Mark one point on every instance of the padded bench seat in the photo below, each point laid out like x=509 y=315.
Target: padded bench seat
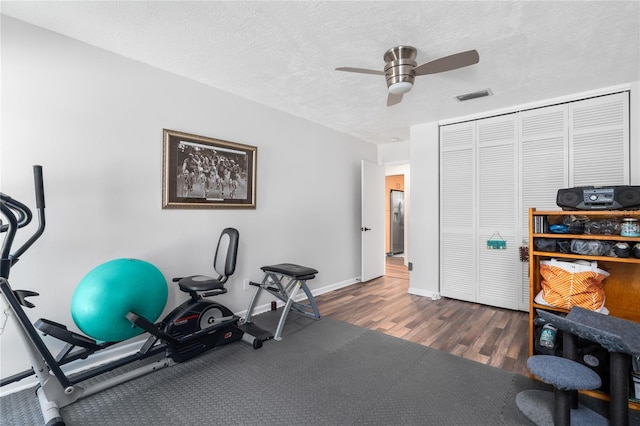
x=272 y=283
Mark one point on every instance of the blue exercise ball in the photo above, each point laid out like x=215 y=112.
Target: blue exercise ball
x=110 y=291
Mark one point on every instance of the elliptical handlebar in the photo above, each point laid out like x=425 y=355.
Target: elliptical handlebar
x=19 y=211
x=39 y=184
x=19 y=215
x=10 y=229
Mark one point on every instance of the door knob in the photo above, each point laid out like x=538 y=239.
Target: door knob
x=364 y=228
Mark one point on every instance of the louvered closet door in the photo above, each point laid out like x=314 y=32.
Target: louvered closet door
x=511 y=163
x=599 y=141
x=457 y=212
x=543 y=170
x=499 y=281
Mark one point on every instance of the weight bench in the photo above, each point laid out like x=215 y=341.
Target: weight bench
x=273 y=283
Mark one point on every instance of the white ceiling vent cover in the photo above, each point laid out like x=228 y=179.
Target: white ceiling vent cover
x=474 y=95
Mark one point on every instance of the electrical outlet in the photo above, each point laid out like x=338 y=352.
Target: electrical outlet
x=246 y=286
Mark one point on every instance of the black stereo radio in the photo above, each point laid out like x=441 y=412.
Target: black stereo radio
x=624 y=197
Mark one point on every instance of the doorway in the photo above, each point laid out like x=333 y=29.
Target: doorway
x=396 y=215
x=395 y=243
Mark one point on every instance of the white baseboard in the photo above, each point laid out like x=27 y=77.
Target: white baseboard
x=433 y=295
x=335 y=286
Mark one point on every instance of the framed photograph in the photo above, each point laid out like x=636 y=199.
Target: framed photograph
x=201 y=172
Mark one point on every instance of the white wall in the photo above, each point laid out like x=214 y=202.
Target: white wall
x=94 y=121
x=424 y=234
x=393 y=153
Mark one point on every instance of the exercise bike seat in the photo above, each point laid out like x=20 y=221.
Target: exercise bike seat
x=224 y=263
x=200 y=283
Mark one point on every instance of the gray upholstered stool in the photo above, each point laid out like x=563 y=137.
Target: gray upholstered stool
x=272 y=283
x=566 y=376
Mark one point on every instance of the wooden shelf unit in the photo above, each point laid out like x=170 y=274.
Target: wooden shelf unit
x=622 y=287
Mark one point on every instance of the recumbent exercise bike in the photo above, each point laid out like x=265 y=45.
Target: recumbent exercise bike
x=192 y=328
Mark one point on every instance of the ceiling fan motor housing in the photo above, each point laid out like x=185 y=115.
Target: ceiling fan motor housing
x=400 y=52
x=399 y=68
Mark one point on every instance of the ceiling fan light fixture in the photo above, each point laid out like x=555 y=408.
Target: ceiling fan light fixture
x=400 y=88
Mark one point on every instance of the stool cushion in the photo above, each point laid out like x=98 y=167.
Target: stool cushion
x=563 y=373
x=296 y=271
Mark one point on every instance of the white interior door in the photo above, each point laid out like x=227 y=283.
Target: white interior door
x=372 y=225
x=599 y=141
x=543 y=170
x=497 y=187
x=458 y=251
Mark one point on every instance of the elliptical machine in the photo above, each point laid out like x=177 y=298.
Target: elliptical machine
x=192 y=328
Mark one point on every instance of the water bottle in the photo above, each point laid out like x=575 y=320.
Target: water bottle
x=548 y=336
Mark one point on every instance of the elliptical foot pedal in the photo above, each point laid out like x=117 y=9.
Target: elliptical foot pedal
x=254 y=334
x=61 y=332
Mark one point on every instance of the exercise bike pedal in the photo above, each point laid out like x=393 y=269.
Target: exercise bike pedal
x=150 y=327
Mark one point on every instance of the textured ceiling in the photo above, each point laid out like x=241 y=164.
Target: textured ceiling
x=283 y=54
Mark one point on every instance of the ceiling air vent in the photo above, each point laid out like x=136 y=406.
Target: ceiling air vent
x=474 y=95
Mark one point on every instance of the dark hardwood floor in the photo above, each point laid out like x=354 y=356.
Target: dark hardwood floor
x=485 y=334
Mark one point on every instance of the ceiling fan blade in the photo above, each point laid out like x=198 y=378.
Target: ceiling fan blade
x=393 y=99
x=360 y=70
x=448 y=63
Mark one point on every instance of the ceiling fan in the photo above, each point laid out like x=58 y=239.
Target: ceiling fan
x=400 y=69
